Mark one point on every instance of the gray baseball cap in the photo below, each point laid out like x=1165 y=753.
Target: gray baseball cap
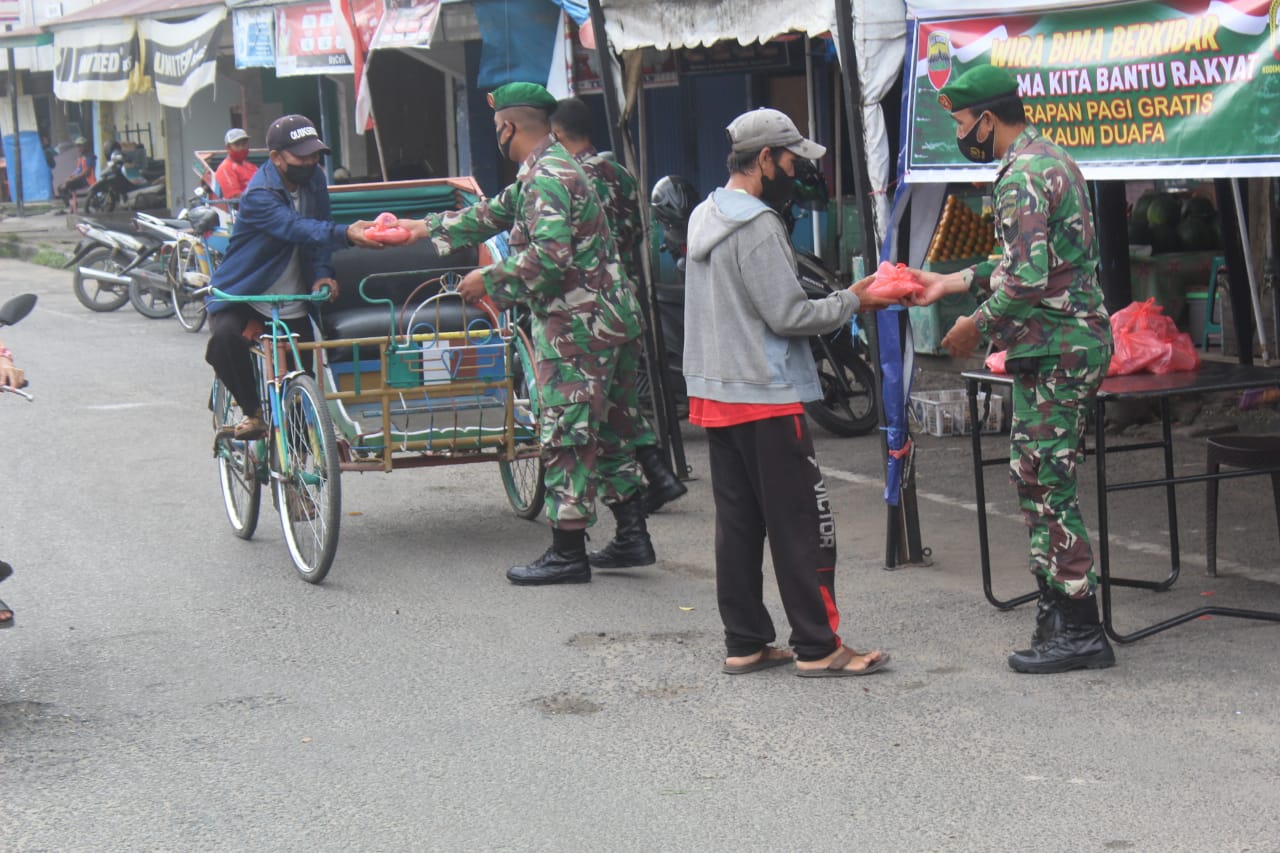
x=766 y=128
x=234 y=135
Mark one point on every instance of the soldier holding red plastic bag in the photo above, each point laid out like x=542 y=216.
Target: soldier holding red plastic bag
x=1046 y=309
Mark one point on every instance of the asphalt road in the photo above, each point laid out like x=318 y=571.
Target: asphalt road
x=170 y=687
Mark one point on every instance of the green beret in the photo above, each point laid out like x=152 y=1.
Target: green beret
x=522 y=95
x=977 y=86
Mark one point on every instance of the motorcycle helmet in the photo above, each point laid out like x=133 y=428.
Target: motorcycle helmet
x=672 y=200
x=203 y=219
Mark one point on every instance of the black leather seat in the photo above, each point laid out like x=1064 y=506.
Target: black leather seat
x=400 y=270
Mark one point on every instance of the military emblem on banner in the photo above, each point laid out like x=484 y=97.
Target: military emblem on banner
x=938 y=58
x=1273 y=18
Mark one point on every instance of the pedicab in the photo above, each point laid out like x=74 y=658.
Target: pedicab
x=404 y=374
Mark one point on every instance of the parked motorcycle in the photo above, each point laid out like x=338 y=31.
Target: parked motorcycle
x=191 y=259
x=122 y=184
x=13 y=311
x=103 y=261
x=849 y=404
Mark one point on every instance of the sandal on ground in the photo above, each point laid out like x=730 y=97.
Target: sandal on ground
x=770 y=656
x=249 y=428
x=837 y=667
x=6 y=616
x=5 y=570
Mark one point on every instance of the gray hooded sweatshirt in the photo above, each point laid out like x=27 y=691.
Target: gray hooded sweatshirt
x=746 y=317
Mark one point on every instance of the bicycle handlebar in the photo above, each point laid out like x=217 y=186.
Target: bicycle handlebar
x=322 y=295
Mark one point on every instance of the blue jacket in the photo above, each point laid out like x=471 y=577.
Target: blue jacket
x=268 y=228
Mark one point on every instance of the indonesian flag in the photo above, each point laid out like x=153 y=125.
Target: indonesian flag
x=362 y=17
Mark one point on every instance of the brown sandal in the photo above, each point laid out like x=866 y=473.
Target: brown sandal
x=836 y=669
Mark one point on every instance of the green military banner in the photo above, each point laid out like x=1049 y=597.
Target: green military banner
x=1133 y=90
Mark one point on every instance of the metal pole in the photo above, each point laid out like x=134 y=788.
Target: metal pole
x=15 y=92
x=612 y=110
x=1258 y=320
x=813 y=134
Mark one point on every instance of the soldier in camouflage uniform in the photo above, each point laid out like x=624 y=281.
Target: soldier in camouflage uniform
x=564 y=267
x=1046 y=309
x=617 y=190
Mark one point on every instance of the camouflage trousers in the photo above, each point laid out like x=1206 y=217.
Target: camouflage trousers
x=630 y=363
x=1050 y=409
x=587 y=434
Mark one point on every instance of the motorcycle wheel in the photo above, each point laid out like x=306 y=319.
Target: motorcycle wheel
x=99 y=295
x=846 y=414
x=100 y=201
x=150 y=299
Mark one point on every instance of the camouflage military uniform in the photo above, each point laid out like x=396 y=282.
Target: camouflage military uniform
x=618 y=192
x=1046 y=308
x=564 y=267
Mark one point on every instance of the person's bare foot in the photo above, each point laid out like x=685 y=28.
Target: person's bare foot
x=844 y=659
x=766 y=658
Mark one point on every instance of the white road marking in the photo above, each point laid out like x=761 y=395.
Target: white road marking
x=1135 y=545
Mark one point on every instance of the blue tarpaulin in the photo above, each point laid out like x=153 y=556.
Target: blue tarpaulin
x=37 y=180
x=518 y=38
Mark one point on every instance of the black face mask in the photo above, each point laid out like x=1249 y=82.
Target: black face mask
x=972 y=149
x=777 y=192
x=299 y=175
x=505 y=147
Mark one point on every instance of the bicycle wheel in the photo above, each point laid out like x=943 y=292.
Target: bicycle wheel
x=238 y=463
x=186 y=284
x=99 y=295
x=149 y=292
x=849 y=395
x=308 y=490
x=523 y=478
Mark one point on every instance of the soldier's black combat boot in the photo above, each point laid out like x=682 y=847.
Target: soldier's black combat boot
x=631 y=545
x=1048 y=614
x=564 y=562
x=664 y=487
x=1078 y=641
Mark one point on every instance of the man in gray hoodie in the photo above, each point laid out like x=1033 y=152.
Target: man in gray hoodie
x=749 y=370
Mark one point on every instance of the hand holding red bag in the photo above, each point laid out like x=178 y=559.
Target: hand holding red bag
x=894 y=281
x=385 y=230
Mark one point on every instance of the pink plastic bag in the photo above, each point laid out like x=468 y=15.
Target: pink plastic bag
x=894 y=282
x=1148 y=341
x=995 y=362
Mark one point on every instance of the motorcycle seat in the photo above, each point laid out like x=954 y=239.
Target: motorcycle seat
x=176 y=224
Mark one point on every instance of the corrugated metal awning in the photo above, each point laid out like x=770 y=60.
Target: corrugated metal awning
x=119 y=9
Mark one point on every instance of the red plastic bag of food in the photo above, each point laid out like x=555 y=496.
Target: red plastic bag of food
x=1180 y=356
x=894 y=281
x=995 y=362
x=385 y=230
x=1148 y=341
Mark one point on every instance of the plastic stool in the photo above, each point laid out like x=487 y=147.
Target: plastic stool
x=1213 y=326
x=1236 y=451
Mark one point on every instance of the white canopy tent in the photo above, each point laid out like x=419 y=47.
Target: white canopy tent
x=879 y=30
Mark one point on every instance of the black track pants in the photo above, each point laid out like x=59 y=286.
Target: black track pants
x=765 y=478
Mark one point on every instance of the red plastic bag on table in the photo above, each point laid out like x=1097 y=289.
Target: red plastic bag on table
x=384 y=230
x=1180 y=356
x=894 y=281
x=1148 y=341
x=995 y=362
